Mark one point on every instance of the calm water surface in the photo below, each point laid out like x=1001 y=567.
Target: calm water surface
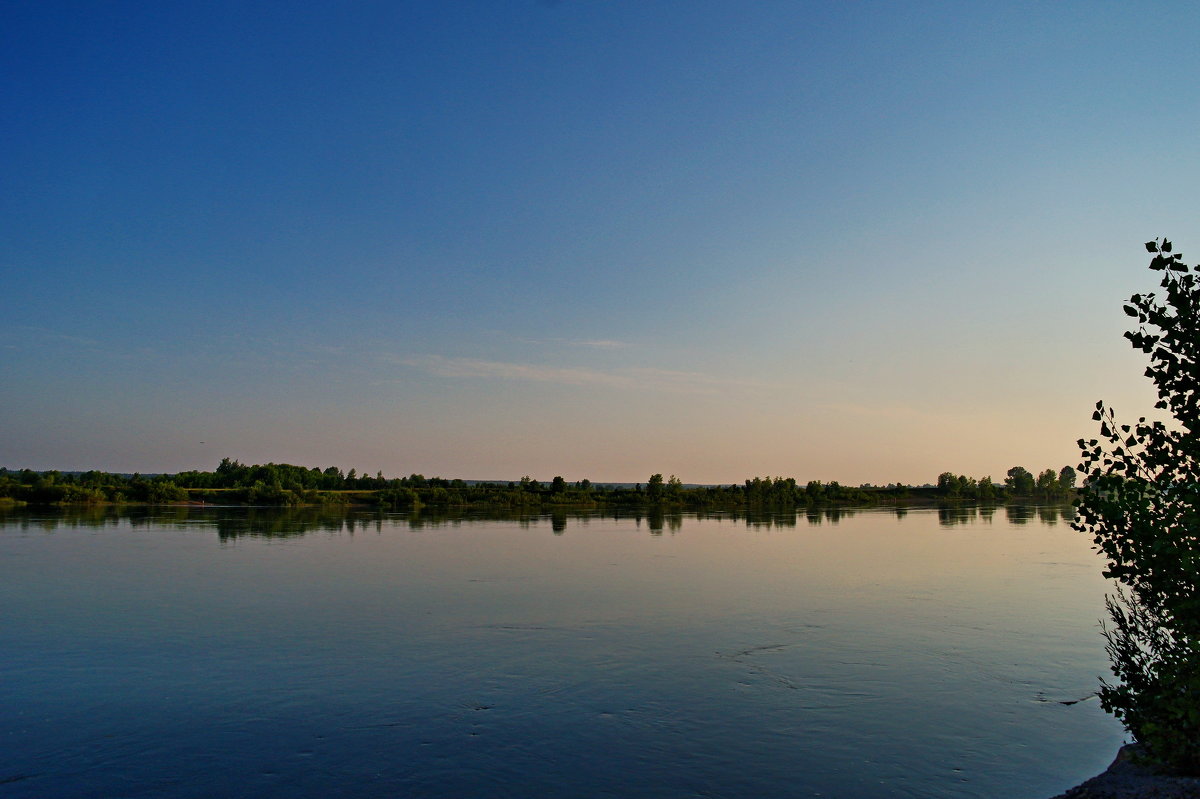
x=248 y=654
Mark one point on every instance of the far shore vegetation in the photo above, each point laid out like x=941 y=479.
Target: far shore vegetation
x=284 y=485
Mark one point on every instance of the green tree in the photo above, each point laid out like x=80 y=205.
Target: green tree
x=654 y=488
x=1140 y=504
x=1047 y=483
x=1066 y=480
x=1020 y=482
x=985 y=489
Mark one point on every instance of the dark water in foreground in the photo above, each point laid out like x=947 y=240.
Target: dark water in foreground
x=233 y=653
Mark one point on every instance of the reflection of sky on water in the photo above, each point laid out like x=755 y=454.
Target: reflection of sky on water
x=878 y=655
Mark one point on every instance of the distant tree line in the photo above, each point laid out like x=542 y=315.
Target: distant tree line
x=281 y=484
x=93 y=487
x=1018 y=484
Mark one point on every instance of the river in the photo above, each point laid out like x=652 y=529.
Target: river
x=253 y=653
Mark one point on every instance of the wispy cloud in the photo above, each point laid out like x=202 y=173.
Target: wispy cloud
x=30 y=338
x=600 y=344
x=589 y=343
x=473 y=367
x=30 y=335
x=644 y=378
x=890 y=410
x=678 y=378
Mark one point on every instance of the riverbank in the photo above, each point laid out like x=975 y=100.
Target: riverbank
x=1125 y=779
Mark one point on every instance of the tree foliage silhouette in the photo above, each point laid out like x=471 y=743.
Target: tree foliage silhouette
x=1141 y=505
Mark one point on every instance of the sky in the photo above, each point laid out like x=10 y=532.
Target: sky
x=864 y=241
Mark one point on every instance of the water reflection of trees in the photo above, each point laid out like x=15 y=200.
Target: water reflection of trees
x=232 y=523
x=830 y=515
x=950 y=515
x=290 y=523
x=1046 y=514
x=658 y=519
x=89 y=516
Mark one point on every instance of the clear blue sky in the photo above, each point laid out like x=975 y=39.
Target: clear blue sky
x=867 y=242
